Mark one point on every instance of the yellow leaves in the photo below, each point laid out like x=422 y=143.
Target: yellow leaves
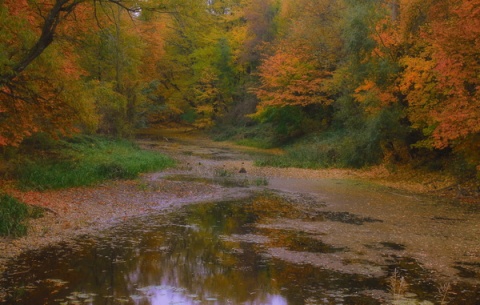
x=205 y=109
x=82 y=100
x=206 y=116
x=206 y=90
x=417 y=78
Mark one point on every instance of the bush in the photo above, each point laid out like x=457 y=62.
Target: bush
x=12 y=216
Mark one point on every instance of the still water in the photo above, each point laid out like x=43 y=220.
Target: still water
x=214 y=253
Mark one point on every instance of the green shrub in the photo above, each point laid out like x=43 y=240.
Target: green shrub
x=256 y=143
x=12 y=216
x=287 y=120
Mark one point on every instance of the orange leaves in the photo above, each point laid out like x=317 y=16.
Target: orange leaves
x=152 y=33
x=454 y=48
x=21 y=8
x=291 y=77
x=3 y=141
x=436 y=46
x=373 y=97
x=298 y=72
x=24 y=119
x=48 y=54
x=367 y=86
x=31 y=82
x=35 y=102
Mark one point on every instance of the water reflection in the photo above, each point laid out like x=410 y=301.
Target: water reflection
x=164 y=294
x=216 y=253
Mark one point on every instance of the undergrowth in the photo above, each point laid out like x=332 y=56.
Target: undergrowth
x=332 y=149
x=85 y=160
x=258 y=136
x=13 y=216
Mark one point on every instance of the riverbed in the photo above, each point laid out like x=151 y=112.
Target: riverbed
x=237 y=234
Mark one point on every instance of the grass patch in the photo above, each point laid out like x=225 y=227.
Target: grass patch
x=84 y=161
x=13 y=214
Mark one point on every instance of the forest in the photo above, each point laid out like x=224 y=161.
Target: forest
x=340 y=83
x=239 y=152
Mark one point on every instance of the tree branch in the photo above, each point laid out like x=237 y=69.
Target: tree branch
x=56 y=15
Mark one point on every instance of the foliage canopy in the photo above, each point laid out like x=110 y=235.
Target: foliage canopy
x=400 y=77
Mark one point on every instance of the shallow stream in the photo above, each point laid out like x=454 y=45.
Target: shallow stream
x=295 y=241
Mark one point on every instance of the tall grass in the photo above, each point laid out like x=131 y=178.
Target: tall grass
x=84 y=161
x=12 y=216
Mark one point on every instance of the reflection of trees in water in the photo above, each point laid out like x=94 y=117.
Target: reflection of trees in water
x=200 y=259
x=195 y=257
x=186 y=257
x=216 y=252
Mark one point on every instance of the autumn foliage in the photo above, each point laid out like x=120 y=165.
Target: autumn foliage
x=58 y=58
x=395 y=78
x=291 y=77
x=435 y=44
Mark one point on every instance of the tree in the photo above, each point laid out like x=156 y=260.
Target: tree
x=35 y=81
x=291 y=77
x=47 y=16
x=41 y=88
x=261 y=27
x=201 y=75
x=453 y=34
x=296 y=71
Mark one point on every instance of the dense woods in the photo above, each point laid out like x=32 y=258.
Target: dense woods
x=364 y=81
